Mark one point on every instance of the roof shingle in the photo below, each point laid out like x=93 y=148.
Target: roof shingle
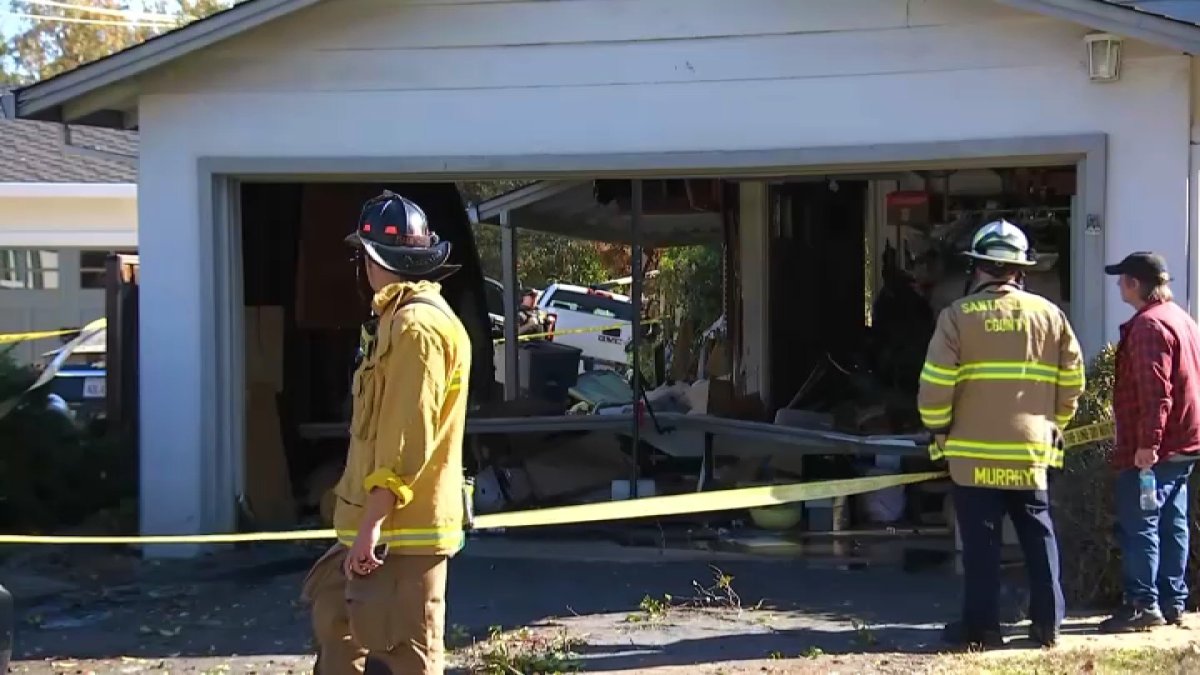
x=37 y=152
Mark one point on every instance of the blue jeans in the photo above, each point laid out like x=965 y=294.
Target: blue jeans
x=1154 y=544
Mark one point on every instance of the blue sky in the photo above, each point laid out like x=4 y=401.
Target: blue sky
x=7 y=23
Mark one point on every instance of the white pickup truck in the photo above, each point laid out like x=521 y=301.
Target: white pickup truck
x=577 y=308
x=580 y=309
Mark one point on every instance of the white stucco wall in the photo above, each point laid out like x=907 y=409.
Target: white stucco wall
x=442 y=77
x=57 y=218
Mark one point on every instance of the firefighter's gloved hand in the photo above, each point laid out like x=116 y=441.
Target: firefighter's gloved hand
x=1060 y=444
x=939 y=441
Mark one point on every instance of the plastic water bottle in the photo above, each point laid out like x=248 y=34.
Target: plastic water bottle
x=1147 y=490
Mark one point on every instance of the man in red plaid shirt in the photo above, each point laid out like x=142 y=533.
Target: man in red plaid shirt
x=1156 y=402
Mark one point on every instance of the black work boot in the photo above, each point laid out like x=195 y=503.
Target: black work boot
x=1173 y=617
x=1044 y=636
x=1133 y=620
x=959 y=635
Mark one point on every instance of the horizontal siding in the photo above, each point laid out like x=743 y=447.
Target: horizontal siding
x=400 y=24
x=380 y=45
x=1008 y=44
x=896 y=108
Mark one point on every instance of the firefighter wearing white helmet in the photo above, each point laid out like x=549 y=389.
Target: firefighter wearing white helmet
x=1002 y=243
x=1001 y=380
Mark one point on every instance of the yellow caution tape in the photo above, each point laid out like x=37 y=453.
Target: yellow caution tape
x=648 y=507
x=699 y=502
x=292 y=535
x=1092 y=433
x=575 y=331
x=10 y=338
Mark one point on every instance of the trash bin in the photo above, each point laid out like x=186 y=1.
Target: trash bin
x=6 y=628
x=548 y=370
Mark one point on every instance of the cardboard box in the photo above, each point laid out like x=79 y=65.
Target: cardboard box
x=264 y=346
x=572 y=466
x=268 y=481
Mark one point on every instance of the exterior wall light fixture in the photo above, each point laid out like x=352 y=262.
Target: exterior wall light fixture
x=1104 y=57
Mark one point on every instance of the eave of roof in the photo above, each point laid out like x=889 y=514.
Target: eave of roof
x=44 y=100
x=1125 y=20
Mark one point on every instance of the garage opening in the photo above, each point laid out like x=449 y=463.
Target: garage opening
x=838 y=275
x=858 y=288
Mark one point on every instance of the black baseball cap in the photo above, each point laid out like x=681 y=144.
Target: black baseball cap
x=1144 y=266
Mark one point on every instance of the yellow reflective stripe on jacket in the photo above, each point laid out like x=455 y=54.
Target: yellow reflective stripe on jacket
x=1037 y=453
x=1009 y=370
x=936 y=418
x=426 y=538
x=1020 y=370
x=1071 y=377
x=939 y=375
x=456 y=381
x=935 y=452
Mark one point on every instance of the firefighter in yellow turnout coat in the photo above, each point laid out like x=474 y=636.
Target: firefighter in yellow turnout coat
x=378 y=596
x=1001 y=380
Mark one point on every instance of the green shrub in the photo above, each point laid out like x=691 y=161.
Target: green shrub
x=52 y=474
x=1083 y=501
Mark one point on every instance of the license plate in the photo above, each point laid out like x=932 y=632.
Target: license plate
x=95 y=387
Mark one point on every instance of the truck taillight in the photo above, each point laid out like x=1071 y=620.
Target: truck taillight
x=551 y=322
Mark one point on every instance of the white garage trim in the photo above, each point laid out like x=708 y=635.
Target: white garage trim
x=982 y=153
x=222 y=294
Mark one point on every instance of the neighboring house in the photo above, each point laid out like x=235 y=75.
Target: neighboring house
x=68 y=197
x=304 y=90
